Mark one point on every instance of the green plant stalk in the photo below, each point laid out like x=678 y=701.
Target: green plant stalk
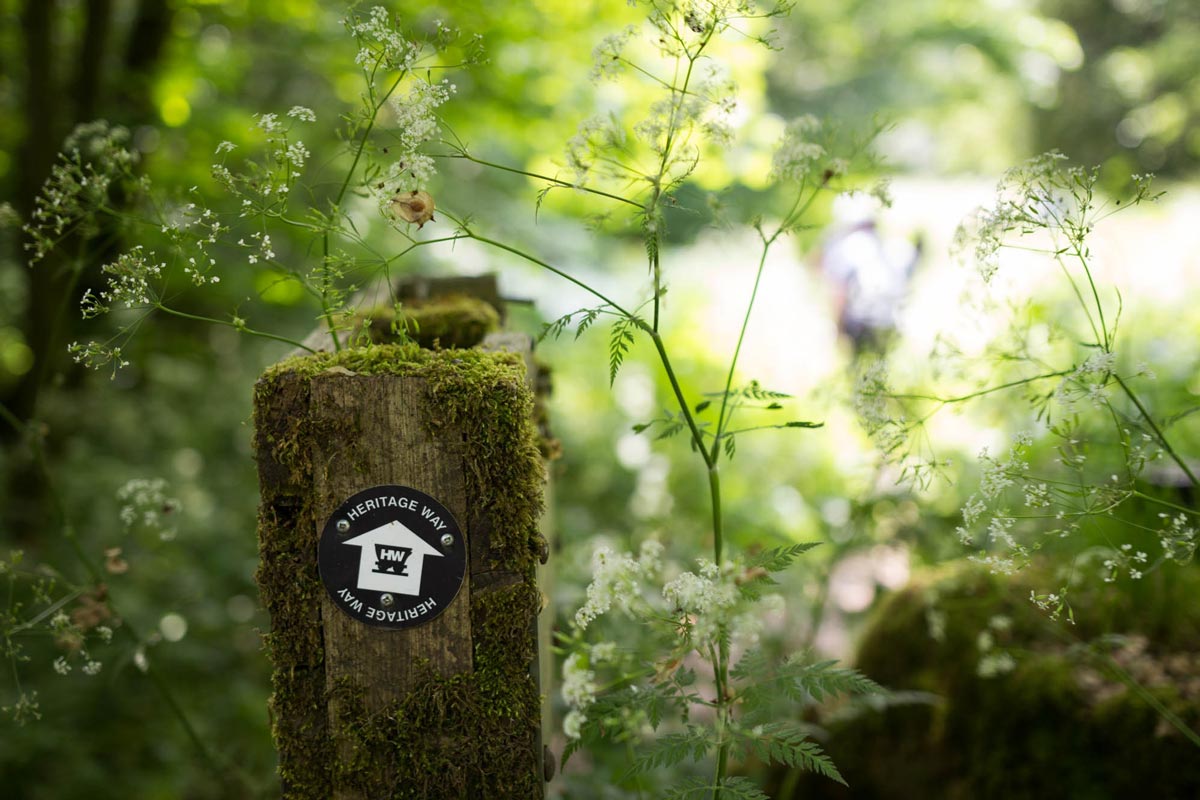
x=721 y=667
x=1135 y=686
x=534 y=260
x=326 y=311
x=1149 y=498
x=230 y=324
x=737 y=350
x=463 y=154
x=650 y=209
x=796 y=212
x=989 y=390
x=1158 y=434
x=1095 y=293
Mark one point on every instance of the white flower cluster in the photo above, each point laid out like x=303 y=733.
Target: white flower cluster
x=415 y=117
x=145 y=503
x=996 y=478
x=415 y=114
x=617 y=580
x=709 y=603
x=95 y=355
x=381 y=42
x=594 y=136
x=869 y=398
x=260 y=246
x=1125 y=559
x=1087 y=382
x=607 y=55
x=579 y=692
x=579 y=683
x=129 y=283
x=302 y=113
x=803 y=152
x=94 y=156
x=1178 y=537
x=993 y=661
x=1053 y=603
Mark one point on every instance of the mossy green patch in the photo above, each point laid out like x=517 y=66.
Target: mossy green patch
x=1054 y=722
x=450 y=321
x=470 y=735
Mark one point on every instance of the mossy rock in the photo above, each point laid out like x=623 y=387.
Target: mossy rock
x=1052 y=723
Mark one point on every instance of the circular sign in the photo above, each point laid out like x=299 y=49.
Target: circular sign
x=392 y=557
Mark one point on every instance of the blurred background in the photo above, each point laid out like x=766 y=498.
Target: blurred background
x=967 y=89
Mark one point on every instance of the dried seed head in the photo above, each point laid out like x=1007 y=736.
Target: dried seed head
x=414 y=206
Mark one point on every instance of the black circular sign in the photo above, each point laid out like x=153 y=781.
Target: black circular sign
x=392 y=557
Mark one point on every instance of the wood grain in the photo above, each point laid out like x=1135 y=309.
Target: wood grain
x=391 y=446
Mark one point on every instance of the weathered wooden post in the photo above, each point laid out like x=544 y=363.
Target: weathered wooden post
x=398 y=535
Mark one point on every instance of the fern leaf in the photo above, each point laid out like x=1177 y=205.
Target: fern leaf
x=738 y=788
x=618 y=347
x=778 y=559
x=667 y=751
x=825 y=679
x=586 y=321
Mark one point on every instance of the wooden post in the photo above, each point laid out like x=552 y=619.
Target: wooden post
x=448 y=708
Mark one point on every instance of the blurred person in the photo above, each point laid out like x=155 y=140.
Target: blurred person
x=869 y=275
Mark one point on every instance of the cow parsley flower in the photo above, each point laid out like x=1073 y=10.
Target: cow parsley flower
x=302 y=113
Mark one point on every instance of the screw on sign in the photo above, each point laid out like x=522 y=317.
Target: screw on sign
x=387 y=557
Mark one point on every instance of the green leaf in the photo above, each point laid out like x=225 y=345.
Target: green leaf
x=778 y=559
x=703 y=404
x=667 y=751
x=787 y=744
x=738 y=788
x=589 y=317
x=618 y=346
x=801 y=424
x=755 y=391
x=825 y=679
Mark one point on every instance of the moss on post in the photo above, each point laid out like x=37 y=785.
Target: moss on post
x=452 y=730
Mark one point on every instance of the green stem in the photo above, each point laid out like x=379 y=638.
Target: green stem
x=326 y=311
x=714 y=491
x=556 y=181
x=1158 y=434
x=534 y=260
x=981 y=392
x=231 y=324
x=1135 y=686
x=1095 y=293
x=737 y=350
x=1159 y=501
x=697 y=436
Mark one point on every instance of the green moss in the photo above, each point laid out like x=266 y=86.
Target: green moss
x=469 y=735
x=1053 y=726
x=463 y=736
x=450 y=321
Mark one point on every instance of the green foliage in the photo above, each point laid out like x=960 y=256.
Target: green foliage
x=620 y=338
x=230 y=64
x=739 y=788
x=694 y=743
x=1035 y=728
x=786 y=744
